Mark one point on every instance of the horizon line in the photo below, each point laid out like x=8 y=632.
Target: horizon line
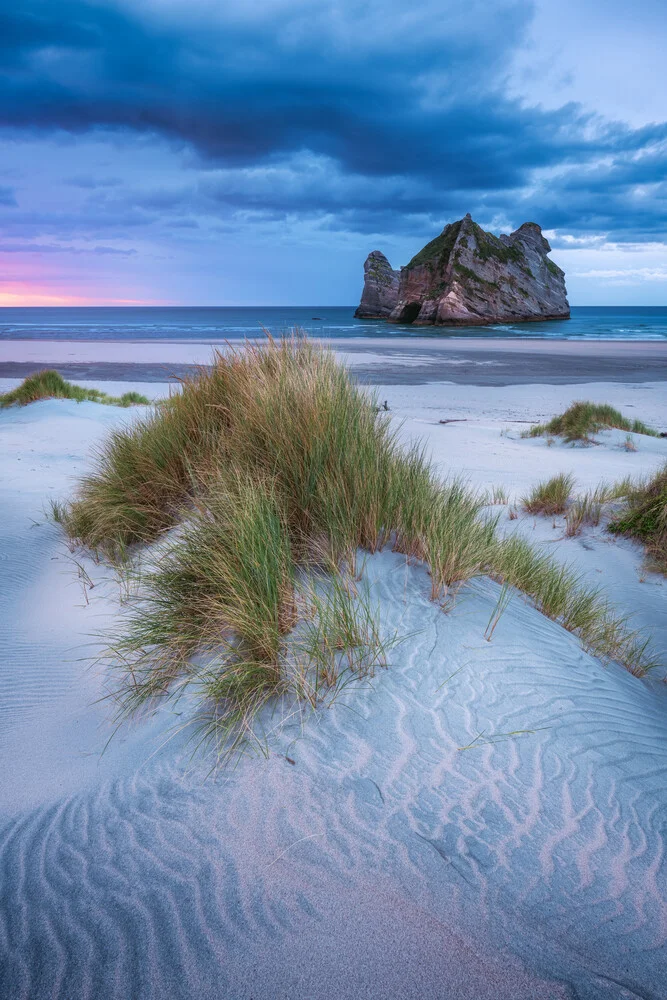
x=172 y=305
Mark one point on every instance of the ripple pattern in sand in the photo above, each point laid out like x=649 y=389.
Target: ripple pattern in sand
x=542 y=851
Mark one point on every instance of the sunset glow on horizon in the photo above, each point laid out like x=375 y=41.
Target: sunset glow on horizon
x=51 y=275
x=18 y=288
x=32 y=297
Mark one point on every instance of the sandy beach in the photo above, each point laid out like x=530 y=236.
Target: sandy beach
x=391 y=360
x=480 y=820
x=333 y=500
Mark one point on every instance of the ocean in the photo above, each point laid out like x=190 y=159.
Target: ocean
x=211 y=323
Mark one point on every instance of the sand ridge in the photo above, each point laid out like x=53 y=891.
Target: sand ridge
x=386 y=861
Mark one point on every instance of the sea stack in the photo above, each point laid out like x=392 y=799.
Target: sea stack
x=468 y=277
x=380 y=293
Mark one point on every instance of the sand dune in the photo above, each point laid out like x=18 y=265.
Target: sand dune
x=385 y=862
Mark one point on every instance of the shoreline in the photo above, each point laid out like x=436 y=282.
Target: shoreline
x=551 y=344
x=377 y=361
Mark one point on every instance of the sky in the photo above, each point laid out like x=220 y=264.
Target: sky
x=244 y=152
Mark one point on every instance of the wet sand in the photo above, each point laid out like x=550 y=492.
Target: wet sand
x=386 y=361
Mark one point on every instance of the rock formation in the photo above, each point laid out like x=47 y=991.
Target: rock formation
x=467 y=277
x=380 y=292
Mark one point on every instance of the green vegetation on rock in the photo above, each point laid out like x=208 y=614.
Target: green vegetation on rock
x=382 y=273
x=490 y=247
x=466 y=272
x=438 y=251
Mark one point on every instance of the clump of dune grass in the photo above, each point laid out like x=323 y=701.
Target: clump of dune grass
x=229 y=615
x=558 y=592
x=644 y=517
x=338 y=638
x=551 y=496
x=497 y=495
x=585 y=510
x=584 y=419
x=275 y=469
x=457 y=542
x=286 y=411
x=49 y=384
x=588 y=508
x=216 y=610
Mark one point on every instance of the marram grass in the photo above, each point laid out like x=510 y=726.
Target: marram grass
x=644 y=517
x=554 y=496
x=550 y=496
x=584 y=419
x=278 y=469
x=50 y=384
x=588 y=508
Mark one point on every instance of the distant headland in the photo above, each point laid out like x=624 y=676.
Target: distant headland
x=468 y=277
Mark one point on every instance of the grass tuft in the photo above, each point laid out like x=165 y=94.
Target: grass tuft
x=275 y=469
x=497 y=496
x=588 y=508
x=644 y=517
x=557 y=591
x=50 y=384
x=584 y=419
x=550 y=496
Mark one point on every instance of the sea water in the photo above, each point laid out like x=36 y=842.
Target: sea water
x=210 y=323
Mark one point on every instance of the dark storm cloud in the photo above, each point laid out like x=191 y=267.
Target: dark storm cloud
x=73 y=223
x=256 y=88
x=625 y=197
x=402 y=111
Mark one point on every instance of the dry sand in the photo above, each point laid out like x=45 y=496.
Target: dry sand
x=386 y=862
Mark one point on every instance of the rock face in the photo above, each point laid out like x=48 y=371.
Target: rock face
x=467 y=277
x=380 y=293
